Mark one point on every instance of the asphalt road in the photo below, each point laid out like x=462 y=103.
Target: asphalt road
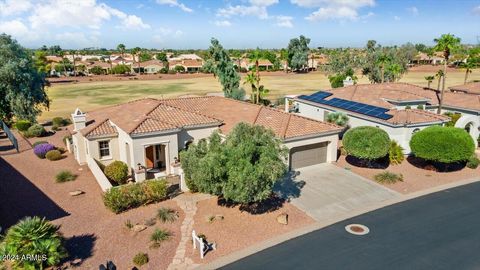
x=438 y=231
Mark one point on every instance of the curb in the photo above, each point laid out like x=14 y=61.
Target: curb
x=237 y=255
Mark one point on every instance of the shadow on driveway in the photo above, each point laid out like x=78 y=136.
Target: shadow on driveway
x=20 y=198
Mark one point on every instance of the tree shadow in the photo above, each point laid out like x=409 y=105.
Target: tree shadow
x=80 y=248
x=269 y=205
x=290 y=186
x=20 y=198
x=435 y=166
x=381 y=163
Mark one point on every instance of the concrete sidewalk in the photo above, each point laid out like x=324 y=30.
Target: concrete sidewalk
x=324 y=191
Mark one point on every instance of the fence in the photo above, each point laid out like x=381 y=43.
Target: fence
x=10 y=135
x=98 y=173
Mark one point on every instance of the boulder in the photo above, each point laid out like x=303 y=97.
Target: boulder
x=282 y=219
x=139 y=228
x=76 y=193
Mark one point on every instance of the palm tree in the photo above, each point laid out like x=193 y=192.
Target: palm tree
x=136 y=51
x=383 y=60
x=121 y=48
x=395 y=69
x=256 y=56
x=446 y=44
x=439 y=75
x=429 y=80
x=469 y=65
x=262 y=93
x=252 y=80
x=62 y=54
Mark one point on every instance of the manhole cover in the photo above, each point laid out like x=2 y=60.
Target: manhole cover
x=357 y=229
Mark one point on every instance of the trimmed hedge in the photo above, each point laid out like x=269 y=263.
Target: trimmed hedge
x=442 y=144
x=366 y=142
x=23 y=125
x=53 y=155
x=122 y=198
x=117 y=172
x=36 y=130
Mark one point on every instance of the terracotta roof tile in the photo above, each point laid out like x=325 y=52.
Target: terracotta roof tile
x=152 y=125
x=469 y=88
x=103 y=129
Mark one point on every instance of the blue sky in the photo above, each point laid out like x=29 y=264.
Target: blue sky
x=184 y=24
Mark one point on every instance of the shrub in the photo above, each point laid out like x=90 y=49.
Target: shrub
x=338 y=118
x=121 y=198
x=387 y=177
x=38 y=142
x=42 y=149
x=158 y=236
x=23 y=125
x=34 y=236
x=473 y=162
x=57 y=121
x=129 y=224
x=117 y=172
x=53 y=155
x=395 y=153
x=179 y=69
x=366 y=142
x=36 y=130
x=65 y=176
x=55 y=128
x=442 y=144
x=453 y=118
x=165 y=215
x=420 y=107
x=408 y=107
x=140 y=259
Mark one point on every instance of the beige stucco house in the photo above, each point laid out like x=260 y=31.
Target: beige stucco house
x=147 y=134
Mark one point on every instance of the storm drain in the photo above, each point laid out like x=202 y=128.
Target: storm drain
x=357 y=229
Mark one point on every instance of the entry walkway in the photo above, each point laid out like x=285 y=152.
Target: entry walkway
x=325 y=191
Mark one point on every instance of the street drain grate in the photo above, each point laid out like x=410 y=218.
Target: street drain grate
x=357 y=229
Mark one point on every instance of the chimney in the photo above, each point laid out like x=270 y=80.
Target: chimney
x=79 y=120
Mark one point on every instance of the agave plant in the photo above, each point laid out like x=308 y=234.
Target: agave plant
x=35 y=239
x=338 y=118
x=158 y=236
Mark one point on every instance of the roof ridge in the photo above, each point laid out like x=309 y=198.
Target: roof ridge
x=96 y=126
x=181 y=109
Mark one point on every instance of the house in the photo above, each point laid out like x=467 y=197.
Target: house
x=263 y=64
x=149 y=67
x=424 y=59
x=190 y=65
x=398 y=108
x=472 y=88
x=104 y=65
x=147 y=134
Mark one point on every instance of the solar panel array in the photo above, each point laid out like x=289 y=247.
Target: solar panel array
x=362 y=108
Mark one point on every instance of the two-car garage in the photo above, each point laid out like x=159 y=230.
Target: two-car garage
x=307 y=155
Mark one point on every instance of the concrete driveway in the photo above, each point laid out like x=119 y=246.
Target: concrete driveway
x=325 y=191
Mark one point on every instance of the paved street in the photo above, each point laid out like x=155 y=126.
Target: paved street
x=324 y=191
x=437 y=231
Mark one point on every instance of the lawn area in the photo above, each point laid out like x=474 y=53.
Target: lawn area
x=90 y=95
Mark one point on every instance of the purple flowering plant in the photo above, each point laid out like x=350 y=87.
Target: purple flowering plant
x=42 y=149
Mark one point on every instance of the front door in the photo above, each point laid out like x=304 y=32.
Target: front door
x=149 y=157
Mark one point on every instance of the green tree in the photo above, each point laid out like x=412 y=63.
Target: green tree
x=209 y=66
x=383 y=60
x=251 y=80
x=225 y=71
x=429 y=80
x=298 y=50
x=469 y=65
x=255 y=57
x=121 y=69
x=121 y=48
x=41 y=62
x=439 y=76
x=22 y=87
x=135 y=53
x=34 y=236
x=446 y=43
x=96 y=70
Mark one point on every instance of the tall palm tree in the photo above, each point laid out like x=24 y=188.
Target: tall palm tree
x=136 y=52
x=446 y=44
x=121 y=48
x=469 y=65
x=256 y=56
x=439 y=75
x=382 y=61
x=429 y=80
x=395 y=69
x=251 y=79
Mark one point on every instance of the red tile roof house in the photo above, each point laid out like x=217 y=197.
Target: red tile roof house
x=392 y=107
x=149 y=133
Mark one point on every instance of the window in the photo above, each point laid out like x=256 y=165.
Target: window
x=104 y=147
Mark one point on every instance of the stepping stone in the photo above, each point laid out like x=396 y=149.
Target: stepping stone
x=76 y=193
x=282 y=219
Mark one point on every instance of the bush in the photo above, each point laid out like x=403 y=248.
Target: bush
x=453 y=118
x=366 y=142
x=34 y=236
x=117 y=172
x=158 y=236
x=442 y=144
x=140 y=259
x=23 y=125
x=473 y=162
x=36 y=130
x=395 y=153
x=42 y=149
x=38 y=142
x=53 y=155
x=121 y=198
x=57 y=121
x=179 y=69
x=408 y=107
x=387 y=177
x=420 y=107
x=65 y=176
x=338 y=118
x=165 y=215
x=55 y=128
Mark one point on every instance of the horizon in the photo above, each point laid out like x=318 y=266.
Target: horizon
x=189 y=25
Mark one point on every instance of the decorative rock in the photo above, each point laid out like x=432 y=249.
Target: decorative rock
x=282 y=219
x=139 y=228
x=76 y=193
x=219 y=217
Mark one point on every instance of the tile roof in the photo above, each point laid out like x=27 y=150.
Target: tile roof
x=152 y=115
x=469 y=88
x=105 y=128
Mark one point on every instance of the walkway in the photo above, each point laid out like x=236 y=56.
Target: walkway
x=188 y=203
x=325 y=191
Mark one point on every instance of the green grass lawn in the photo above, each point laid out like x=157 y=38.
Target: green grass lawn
x=91 y=95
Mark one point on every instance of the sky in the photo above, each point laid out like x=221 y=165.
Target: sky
x=189 y=24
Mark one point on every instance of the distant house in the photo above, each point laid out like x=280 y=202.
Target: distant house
x=190 y=65
x=104 y=65
x=151 y=66
x=424 y=59
x=147 y=134
x=398 y=108
x=263 y=64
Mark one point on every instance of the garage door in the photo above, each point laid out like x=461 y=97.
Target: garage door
x=307 y=155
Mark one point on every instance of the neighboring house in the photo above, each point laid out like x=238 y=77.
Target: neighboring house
x=191 y=56
x=391 y=107
x=104 y=65
x=424 y=59
x=263 y=64
x=469 y=88
x=190 y=65
x=147 y=134
x=149 y=67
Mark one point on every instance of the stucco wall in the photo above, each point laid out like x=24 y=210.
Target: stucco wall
x=139 y=144
x=194 y=135
x=94 y=151
x=79 y=148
